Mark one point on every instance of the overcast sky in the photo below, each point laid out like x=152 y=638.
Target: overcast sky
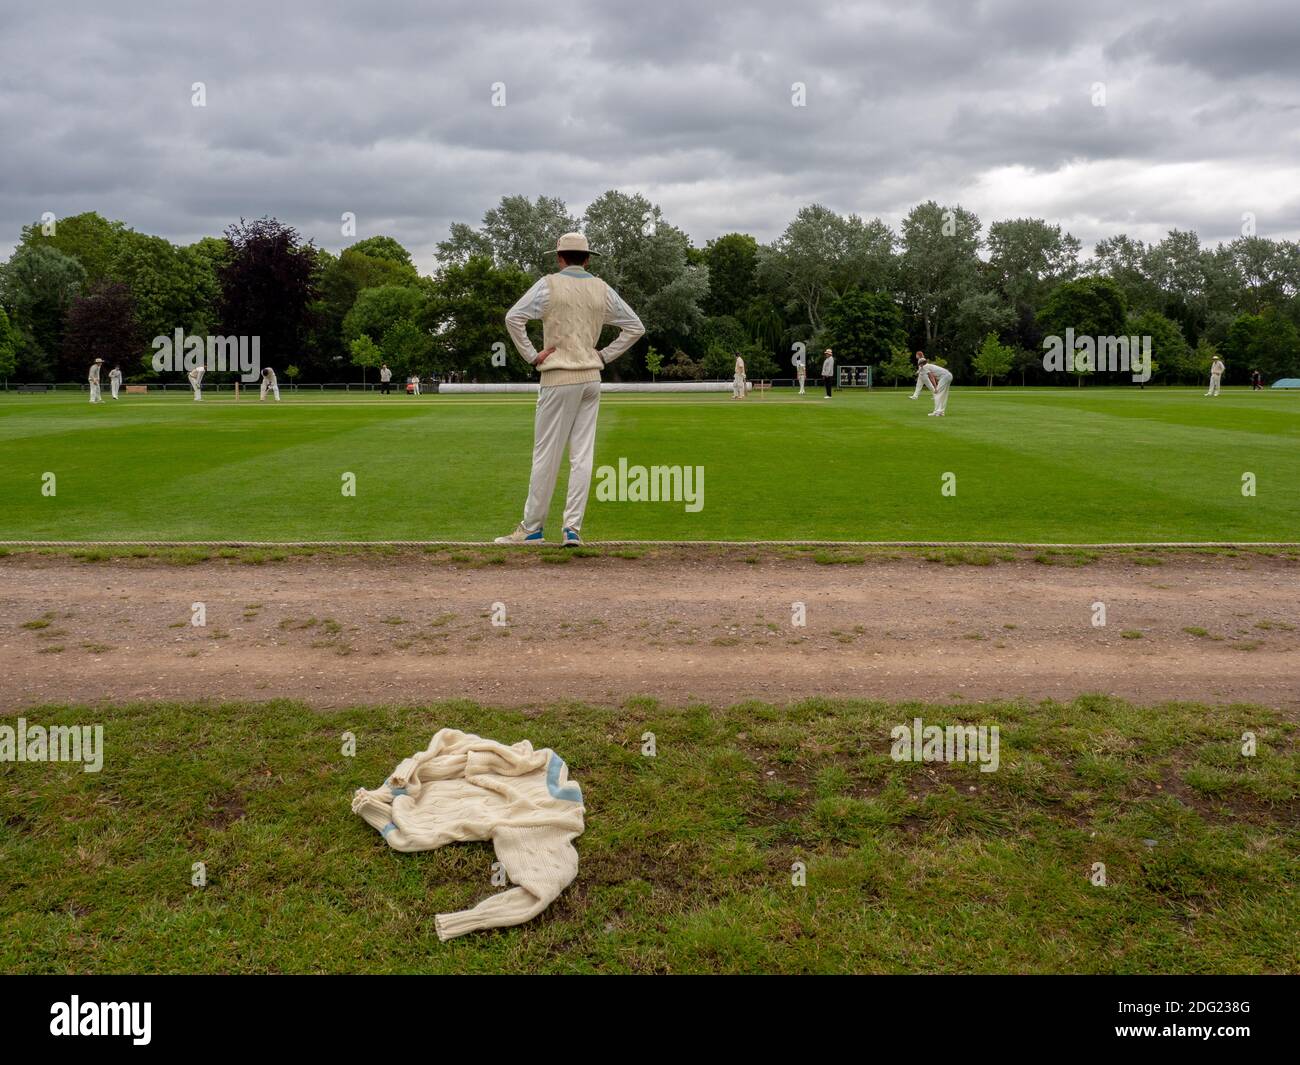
x=384 y=109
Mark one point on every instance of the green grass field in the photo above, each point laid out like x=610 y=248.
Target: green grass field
x=686 y=862
x=1061 y=465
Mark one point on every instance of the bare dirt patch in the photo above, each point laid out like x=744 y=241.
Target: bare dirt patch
x=680 y=625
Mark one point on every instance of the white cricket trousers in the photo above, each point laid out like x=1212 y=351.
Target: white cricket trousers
x=1214 y=384
x=566 y=415
x=95 y=397
x=941 y=395
x=275 y=388
x=738 y=387
x=114 y=386
x=802 y=379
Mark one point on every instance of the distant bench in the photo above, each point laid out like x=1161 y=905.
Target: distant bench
x=137 y=388
x=34 y=388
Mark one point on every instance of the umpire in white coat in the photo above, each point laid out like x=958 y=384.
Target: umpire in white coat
x=573 y=305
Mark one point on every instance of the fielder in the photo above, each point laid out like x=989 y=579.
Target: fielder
x=1216 y=372
x=573 y=306
x=93 y=379
x=114 y=380
x=385 y=378
x=828 y=371
x=801 y=369
x=196 y=382
x=269 y=381
x=937 y=379
x=738 y=381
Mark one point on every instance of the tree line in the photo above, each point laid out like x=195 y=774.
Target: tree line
x=980 y=301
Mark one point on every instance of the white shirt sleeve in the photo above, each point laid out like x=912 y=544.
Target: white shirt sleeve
x=922 y=379
x=619 y=314
x=529 y=308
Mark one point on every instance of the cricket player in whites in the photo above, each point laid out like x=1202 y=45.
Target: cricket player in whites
x=801 y=369
x=1216 y=373
x=269 y=381
x=573 y=306
x=937 y=379
x=196 y=381
x=738 y=381
x=115 y=380
x=92 y=379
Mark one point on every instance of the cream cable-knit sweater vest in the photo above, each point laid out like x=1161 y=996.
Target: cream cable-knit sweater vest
x=571 y=324
x=463 y=787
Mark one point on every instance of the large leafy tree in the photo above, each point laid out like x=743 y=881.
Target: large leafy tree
x=268 y=284
x=647 y=260
x=1268 y=272
x=1027 y=256
x=975 y=316
x=101 y=323
x=8 y=347
x=864 y=327
x=465 y=318
x=821 y=256
x=377 y=310
x=732 y=260
x=1170 y=355
x=380 y=247
x=342 y=279
x=89 y=238
x=37 y=285
x=1091 y=306
x=1266 y=342
x=1180 y=269
x=1125 y=261
x=940 y=267
x=172 y=287
x=518 y=232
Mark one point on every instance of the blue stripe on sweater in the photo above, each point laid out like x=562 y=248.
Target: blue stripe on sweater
x=571 y=793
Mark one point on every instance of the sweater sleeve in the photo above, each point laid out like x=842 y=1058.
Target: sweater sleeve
x=540 y=861
x=921 y=378
x=618 y=313
x=529 y=308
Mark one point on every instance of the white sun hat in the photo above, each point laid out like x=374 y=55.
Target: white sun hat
x=573 y=242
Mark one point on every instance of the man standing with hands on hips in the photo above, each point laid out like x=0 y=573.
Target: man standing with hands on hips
x=573 y=305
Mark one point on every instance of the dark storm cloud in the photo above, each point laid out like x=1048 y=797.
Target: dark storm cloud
x=383 y=110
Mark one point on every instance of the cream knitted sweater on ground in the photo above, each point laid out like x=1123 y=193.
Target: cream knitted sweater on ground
x=464 y=787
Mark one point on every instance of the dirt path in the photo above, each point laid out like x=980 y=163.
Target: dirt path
x=404 y=628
